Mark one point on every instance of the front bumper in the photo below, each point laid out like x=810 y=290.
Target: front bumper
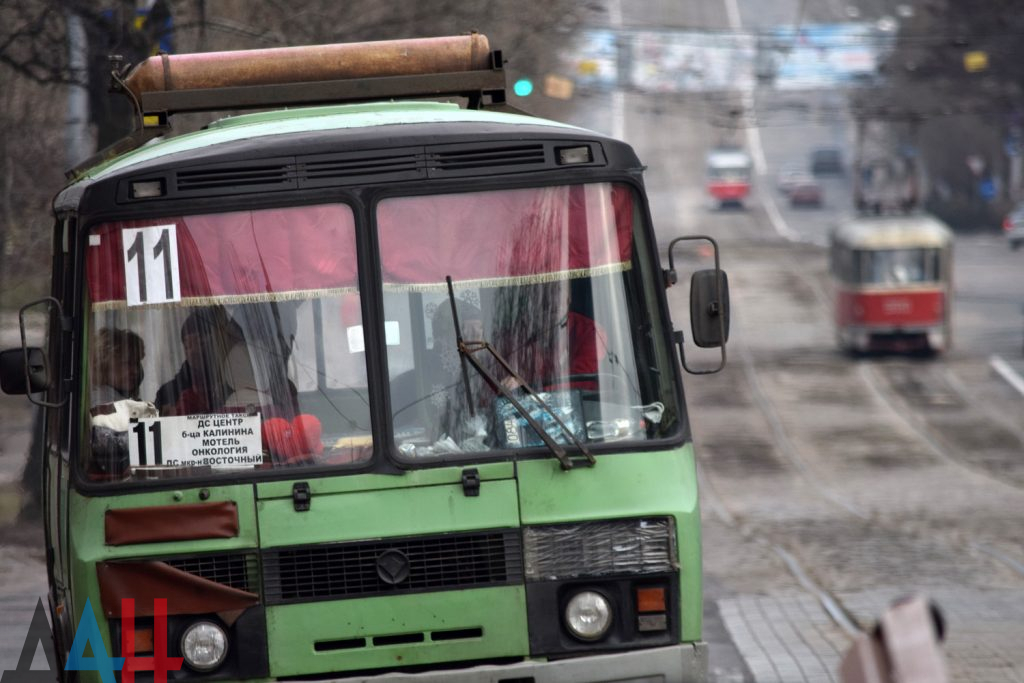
x=899 y=339
x=684 y=663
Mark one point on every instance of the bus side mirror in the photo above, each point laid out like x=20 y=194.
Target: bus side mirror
x=27 y=370
x=24 y=371
x=709 y=305
x=709 y=308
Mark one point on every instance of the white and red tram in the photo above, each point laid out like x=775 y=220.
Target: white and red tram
x=893 y=283
x=729 y=173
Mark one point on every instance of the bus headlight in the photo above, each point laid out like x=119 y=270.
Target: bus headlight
x=588 y=615
x=204 y=646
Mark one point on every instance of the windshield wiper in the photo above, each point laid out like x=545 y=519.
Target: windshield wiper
x=466 y=351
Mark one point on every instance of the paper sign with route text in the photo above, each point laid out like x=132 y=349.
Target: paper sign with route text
x=220 y=441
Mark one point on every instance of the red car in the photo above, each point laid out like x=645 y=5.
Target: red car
x=805 y=193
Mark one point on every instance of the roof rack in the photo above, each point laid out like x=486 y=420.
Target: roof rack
x=422 y=68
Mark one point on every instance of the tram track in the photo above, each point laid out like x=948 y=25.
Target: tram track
x=829 y=602
x=952 y=392
x=934 y=440
x=787 y=545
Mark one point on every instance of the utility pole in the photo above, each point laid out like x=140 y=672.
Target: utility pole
x=78 y=140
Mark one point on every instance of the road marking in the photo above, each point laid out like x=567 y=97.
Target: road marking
x=754 y=135
x=732 y=10
x=1007 y=373
x=775 y=216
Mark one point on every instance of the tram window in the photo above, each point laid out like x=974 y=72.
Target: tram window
x=898 y=266
x=843 y=264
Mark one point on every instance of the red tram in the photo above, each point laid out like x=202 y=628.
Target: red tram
x=893 y=281
x=728 y=176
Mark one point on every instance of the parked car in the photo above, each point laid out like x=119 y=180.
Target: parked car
x=826 y=161
x=1013 y=226
x=790 y=175
x=806 y=192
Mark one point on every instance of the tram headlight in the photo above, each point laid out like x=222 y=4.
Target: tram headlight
x=204 y=645
x=588 y=615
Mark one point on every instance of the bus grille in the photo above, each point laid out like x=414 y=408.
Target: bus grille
x=221 y=179
x=326 y=170
x=236 y=570
x=349 y=570
x=336 y=169
x=493 y=159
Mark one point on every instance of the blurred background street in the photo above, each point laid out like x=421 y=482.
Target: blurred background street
x=833 y=483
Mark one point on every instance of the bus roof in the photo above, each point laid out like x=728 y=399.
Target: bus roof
x=307 y=119
x=893 y=232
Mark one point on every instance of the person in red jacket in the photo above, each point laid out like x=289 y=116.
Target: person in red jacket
x=557 y=344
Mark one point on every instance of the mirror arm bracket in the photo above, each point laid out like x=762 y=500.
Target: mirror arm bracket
x=65 y=324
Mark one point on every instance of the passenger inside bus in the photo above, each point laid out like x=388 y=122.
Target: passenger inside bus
x=217 y=373
x=116 y=365
x=117 y=373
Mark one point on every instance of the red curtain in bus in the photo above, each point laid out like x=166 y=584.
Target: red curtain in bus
x=524 y=235
x=240 y=255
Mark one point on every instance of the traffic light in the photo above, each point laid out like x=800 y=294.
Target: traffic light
x=523 y=87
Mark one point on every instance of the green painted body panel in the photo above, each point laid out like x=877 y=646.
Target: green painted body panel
x=359 y=515
x=418 y=502
x=376 y=482
x=309 y=119
x=87 y=544
x=626 y=485
x=499 y=612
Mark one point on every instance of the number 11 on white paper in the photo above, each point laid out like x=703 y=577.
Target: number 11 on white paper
x=151 y=265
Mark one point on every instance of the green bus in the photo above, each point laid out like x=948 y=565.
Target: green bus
x=367 y=384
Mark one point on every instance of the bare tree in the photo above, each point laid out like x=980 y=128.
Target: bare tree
x=955 y=76
x=35 y=71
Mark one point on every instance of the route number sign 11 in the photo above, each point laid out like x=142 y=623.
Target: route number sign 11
x=151 y=265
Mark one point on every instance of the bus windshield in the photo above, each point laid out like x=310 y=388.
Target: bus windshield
x=234 y=342
x=225 y=342
x=552 y=280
